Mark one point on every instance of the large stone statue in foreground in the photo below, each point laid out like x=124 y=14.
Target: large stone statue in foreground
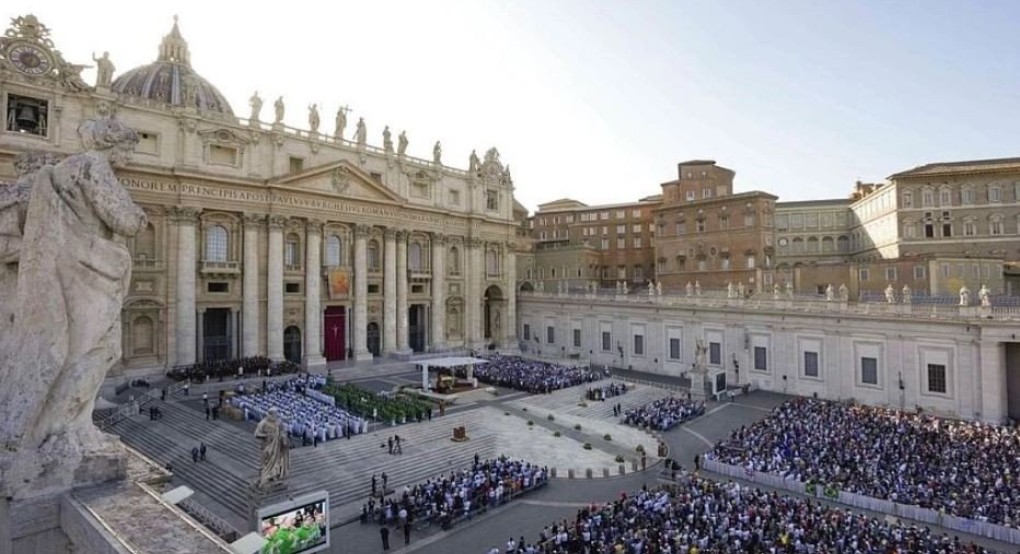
x=62 y=329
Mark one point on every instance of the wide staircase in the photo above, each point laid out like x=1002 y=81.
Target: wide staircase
x=568 y=401
x=343 y=467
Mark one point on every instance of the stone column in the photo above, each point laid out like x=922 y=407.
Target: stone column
x=509 y=338
x=360 y=322
x=994 y=403
x=274 y=289
x=402 y=346
x=184 y=330
x=313 y=296
x=474 y=276
x=390 y=291
x=200 y=335
x=250 y=310
x=438 y=326
x=235 y=327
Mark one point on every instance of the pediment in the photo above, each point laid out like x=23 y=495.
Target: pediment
x=341 y=179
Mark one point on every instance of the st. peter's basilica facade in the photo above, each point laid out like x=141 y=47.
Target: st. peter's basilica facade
x=267 y=240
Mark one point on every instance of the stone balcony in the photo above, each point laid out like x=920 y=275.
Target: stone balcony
x=220 y=269
x=145 y=264
x=721 y=299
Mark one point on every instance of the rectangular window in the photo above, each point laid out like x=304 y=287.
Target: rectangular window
x=700 y=226
x=748 y=220
x=607 y=341
x=454 y=197
x=724 y=222
x=967 y=196
x=674 y=349
x=864 y=274
x=869 y=371
x=621 y=214
x=222 y=155
x=995 y=227
x=724 y=264
x=969 y=228
x=690 y=195
x=637 y=242
x=621 y=229
x=550 y=335
x=706 y=193
x=636 y=213
x=527 y=332
x=681 y=228
x=621 y=243
x=947 y=229
x=937 y=378
x=750 y=262
x=605 y=230
x=761 y=356
x=297 y=165
x=636 y=228
x=702 y=265
x=929 y=231
x=605 y=244
x=994 y=194
x=27 y=115
x=811 y=364
x=604 y=216
x=492 y=200
x=919 y=272
x=639 y=273
x=908 y=200
x=218 y=287
x=890 y=274
x=292 y=288
x=639 y=345
x=148 y=143
x=715 y=353
x=577 y=338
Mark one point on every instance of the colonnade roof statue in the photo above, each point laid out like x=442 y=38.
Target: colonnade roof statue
x=60 y=329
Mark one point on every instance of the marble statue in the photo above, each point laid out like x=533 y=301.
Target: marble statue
x=740 y=290
x=56 y=348
x=658 y=288
x=402 y=144
x=890 y=294
x=387 y=140
x=651 y=288
x=313 y=118
x=844 y=293
x=104 y=70
x=700 y=353
x=688 y=288
x=775 y=291
x=829 y=293
x=256 y=106
x=437 y=154
x=278 y=106
x=964 y=296
x=697 y=288
x=340 y=124
x=474 y=164
x=985 y=295
x=908 y=296
x=361 y=133
x=274 y=449
x=729 y=290
x=789 y=289
x=626 y=288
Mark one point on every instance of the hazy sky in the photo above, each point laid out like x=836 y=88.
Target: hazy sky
x=598 y=100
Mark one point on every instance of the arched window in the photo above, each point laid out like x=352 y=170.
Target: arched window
x=414 y=257
x=373 y=255
x=142 y=336
x=827 y=244
x=145 y=243
x=334 y=251
x=216 y=244
x=843 y=244
x=453 y=263
x=292 y=251
x=798 y=245
x=491 y=263
x=812 y=245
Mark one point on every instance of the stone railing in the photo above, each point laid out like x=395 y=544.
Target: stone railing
x=794 y=303
x=220 y=267
x=147 y=264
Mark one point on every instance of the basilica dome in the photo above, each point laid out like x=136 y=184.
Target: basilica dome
x=171 y=80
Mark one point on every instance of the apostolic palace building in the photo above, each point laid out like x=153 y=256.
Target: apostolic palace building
x=297 y=244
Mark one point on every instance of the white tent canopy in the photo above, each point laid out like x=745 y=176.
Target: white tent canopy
x=453 y=361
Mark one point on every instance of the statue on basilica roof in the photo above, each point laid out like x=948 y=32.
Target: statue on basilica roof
x=256 y=106
x=402 y=144
x=104 y=70
x=387 y=140
x=278 y=106
x=340 y=124
x=361 y=133
x=437 y=154
x=474 y=164
x=313 y=118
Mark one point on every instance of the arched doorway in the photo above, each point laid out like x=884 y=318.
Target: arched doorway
x=292 y=344
x=374 y=342
x=493 y=313
x=416 y=325
x=527 y=287
x=335 y=332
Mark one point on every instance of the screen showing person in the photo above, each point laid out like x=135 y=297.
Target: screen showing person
x=299 y=527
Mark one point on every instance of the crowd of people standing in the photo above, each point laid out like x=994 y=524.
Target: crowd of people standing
x=967 y=469
x=533 y=376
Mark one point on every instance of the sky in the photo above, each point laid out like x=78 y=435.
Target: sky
x=599 y=100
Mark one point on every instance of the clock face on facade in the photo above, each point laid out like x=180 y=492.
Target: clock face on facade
x=782 y=242
x=30 y=59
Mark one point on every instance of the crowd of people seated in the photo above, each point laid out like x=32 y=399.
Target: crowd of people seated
x=967 y=469
x=304 y=412
x=664 y=414
x=531 y=375
x=698 y=515
x=252 y=366
x=605 y=391
x=447 y=498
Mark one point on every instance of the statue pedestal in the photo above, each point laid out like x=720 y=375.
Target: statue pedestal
x=701 y=385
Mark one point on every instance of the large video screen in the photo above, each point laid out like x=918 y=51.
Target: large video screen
x=298 y=526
